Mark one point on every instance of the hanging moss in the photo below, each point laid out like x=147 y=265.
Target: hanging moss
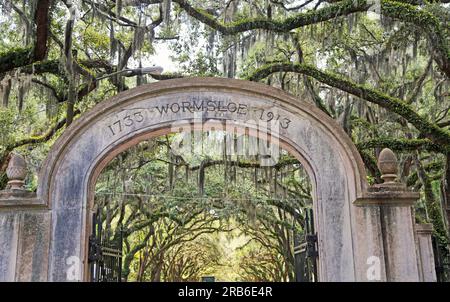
x=50 y=66
x=434 y=211
x=342 y=8
x=425 y=20
x=429 y=130
x=393 y=9
x=5 y=92
x=417 y=185
x=431 y=167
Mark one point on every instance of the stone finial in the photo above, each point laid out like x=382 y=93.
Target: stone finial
x=391 y=192
x=387 y=163
x=16 y=172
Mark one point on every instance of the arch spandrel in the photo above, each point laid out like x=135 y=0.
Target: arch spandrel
x=332 y=160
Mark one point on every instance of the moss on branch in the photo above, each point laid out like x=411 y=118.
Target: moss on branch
x=15 y=58
x=432 y=204
x=428 y=22
x=429 y=130
x=394 y=9
x=4 y=156
x=342 y=8
x=436 y=166
x=371 y=164
x=398 y=144
x=19 y=57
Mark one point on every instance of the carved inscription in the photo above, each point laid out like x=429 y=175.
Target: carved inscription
x=269 y=116
x=127 y=121
x=136 y=116
x=203 y=106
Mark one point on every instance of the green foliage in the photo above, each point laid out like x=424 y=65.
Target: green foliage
x=200 y=65
x=179 y=219
x=15 y=57
x=383 y=78
x=93 y=39
x=7 y=116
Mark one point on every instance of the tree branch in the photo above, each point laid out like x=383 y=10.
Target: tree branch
x=393 y=9
x=398 y=106
x=301 y=19
x=42 y=21
x=33 y=139
x=397 y=144
x=19 y=57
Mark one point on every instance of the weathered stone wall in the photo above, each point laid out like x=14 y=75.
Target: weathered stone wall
x=24 y=240
x=9 y=233
x=394 y=204
x=426 y=265
x=364 y=234
x=334 y=166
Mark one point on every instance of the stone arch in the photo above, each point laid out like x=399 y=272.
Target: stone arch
x=348 y=234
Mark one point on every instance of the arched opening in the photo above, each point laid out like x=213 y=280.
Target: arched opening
x=335 y=168
x=202 y=204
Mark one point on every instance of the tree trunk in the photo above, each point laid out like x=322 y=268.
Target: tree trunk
x=42 y=20
x=446 y=191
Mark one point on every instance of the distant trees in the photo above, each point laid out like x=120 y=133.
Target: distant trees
x=379 y=68
x=169 y=224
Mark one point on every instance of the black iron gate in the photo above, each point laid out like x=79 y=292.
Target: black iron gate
x=105 y=256
x=306 y=252
x=441 y=261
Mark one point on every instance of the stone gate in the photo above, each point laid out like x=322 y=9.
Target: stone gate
x=364 y=233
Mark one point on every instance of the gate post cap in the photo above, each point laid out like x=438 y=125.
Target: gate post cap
x=387 y=163
x=16 y=171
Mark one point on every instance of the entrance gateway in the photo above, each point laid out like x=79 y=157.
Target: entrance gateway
x=364 y=233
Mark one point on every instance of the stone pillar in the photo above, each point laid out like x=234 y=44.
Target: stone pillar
x=395 y=204
x=426 y=265
x=24 y=228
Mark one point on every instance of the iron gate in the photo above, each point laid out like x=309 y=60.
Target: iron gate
x=306 y=252
x=441 y=261
x=105 y=256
